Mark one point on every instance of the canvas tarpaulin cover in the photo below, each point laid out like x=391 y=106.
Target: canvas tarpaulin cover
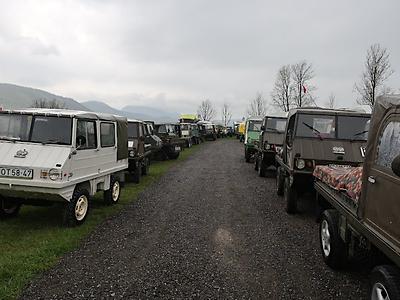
x=341 y=178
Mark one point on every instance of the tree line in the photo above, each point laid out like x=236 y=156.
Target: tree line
x=293 y=87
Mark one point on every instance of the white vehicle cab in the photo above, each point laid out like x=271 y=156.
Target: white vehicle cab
x=60 y=155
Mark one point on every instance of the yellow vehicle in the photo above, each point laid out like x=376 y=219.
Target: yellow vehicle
x=242 y=130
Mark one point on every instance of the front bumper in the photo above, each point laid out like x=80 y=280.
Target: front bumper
x=37 y=193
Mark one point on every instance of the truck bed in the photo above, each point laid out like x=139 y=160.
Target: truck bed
x=344 y=179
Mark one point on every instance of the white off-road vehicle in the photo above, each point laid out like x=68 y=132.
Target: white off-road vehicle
x=60 y=155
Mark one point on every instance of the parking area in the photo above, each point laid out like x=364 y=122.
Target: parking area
x=209 y=228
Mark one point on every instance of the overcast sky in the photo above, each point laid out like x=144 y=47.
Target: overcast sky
x=174 y=54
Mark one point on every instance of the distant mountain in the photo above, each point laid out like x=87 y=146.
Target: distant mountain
x=156 y=113
x=15 y=97
x=133 y=112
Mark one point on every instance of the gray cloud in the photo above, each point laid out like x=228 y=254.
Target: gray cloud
x=176 y=53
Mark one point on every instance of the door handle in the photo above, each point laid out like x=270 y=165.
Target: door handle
x=371 y=179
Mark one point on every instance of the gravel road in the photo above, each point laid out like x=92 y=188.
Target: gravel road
x=209 y=228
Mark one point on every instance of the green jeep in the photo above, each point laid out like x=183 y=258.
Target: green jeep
x=251 y=135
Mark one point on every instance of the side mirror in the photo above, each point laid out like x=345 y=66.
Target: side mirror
x=262 y=128
x=396 y=165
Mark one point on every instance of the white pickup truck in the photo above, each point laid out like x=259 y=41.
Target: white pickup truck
x=60 y=155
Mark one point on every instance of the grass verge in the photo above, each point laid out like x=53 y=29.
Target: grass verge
x=35 y=240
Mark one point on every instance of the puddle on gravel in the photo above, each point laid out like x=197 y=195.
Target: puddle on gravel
x=223 y=238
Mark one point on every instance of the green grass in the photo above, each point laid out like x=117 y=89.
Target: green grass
x=35 y=240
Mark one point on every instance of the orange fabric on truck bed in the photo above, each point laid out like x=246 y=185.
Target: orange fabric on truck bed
x=341 y=178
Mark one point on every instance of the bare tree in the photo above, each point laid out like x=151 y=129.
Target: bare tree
x=377 y=71
x=331 y=103
x=206 y=111
x=43 y=103
x=258 y=106
x=282 y=93
x=302 y=74
x=226 y=114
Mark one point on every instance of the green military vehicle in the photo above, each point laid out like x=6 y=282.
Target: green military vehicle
x=171 y=143
x=317 y=136
x=270 y=143
x=251 y=135
x=187 y=134
x=361 y=205
x=151 y=138
x=207 y=130
x=139 y=151
x=189 y=128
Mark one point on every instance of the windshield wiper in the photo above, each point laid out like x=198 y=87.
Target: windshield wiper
x=358 y=134
x=313 y=129
x=50 y=141
x=8 y=138
x=270 y=128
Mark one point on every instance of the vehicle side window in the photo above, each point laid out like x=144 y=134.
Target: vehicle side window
x=290 y=131
x=389 y=144
x=86 y=137
x=107 y=134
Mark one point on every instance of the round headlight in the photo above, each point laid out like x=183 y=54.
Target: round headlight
x=267 y=146
x=300 y=164
x=54 y=174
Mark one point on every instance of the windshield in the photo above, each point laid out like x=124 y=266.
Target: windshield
x=278 y=125
x=332 y=127
x=166 y=128
x=353 y=128
x=254 y=126
x=132 y=130
x=36 y=129
x=321 y=126
x=184 y=127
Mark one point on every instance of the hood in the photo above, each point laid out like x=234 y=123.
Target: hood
x=33 y=155
x=330 y=150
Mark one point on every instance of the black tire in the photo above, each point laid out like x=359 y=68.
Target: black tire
x=290 y=195
x=146 y=167
x=256 y=163
x=9 y=208
x=333 y=248
x=247 y=155
x=71 y=216
x=137 y=174
x=262 y=168
x=110 y=197
x=174 y=155
x=280 y=181
x=385 y=282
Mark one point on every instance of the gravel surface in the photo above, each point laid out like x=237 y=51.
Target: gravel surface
x=209 y=228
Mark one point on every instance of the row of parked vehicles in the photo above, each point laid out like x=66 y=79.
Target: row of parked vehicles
x=350 y=162
x=66 y=156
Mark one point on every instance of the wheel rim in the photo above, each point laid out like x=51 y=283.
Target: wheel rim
x=325 y=238
x=379 y=292
x=81 y=207
x=115 y=191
